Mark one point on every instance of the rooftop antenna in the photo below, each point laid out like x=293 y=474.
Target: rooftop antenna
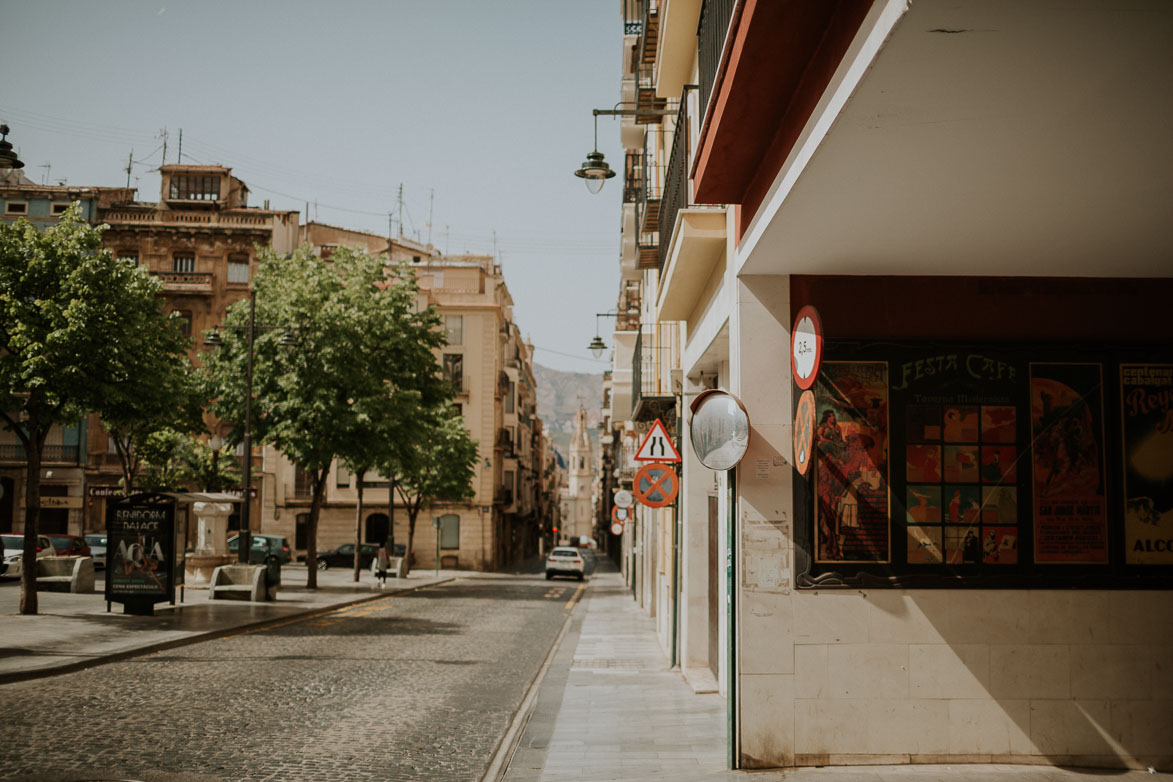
x=431 y=199
x=179 y=153
x=129 y=161
x=445 y=238
x=163 y=133
x=399 y=203
x=45 y=176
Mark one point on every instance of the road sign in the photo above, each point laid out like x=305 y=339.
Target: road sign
x=616 y=529
x=620 y=515
x=655 y=484
x=804 y=432
x=624 y=499
x=806 y=347
x=657 y=446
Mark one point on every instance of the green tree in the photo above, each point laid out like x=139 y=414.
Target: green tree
x=440 y=466
x=75 y=327
x=360 y=337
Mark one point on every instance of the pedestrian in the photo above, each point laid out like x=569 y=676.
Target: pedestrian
x=382 y=564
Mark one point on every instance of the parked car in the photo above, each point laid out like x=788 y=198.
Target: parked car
x=70 y=545
x=263 y=547
x=11 y=567
x=97 y=543
x=343 y=556
x=565 y=561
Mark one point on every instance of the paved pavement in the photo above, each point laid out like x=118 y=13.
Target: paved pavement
x=609 y=708
x=74 y=631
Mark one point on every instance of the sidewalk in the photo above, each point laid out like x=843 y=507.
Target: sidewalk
x=74 y=631
x=609 y=708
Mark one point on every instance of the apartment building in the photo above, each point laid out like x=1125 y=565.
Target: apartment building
x=972 y=197
x=489 y=364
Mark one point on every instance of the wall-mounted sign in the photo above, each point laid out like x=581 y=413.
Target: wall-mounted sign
x=804 y=432
x=655 y=484
x=719 y=429
x=620 y=515
x=61 y=502
x=657 y=446
x=806 y=347
x=624 y=499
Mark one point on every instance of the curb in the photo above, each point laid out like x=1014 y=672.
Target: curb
x=499 y=764
x=209 y=635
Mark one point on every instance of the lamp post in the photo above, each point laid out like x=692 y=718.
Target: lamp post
x=594 y=170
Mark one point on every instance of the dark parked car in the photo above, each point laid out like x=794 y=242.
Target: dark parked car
x=343 y=556
x=263 y=547
x=70 y=545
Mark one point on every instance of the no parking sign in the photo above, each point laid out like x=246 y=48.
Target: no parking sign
x=655 y=484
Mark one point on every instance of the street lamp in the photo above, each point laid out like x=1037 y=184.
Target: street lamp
x=214 y=339
x=594 y=170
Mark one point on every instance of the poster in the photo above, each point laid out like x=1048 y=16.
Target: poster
x=1147 y=412
x=1067 y=460
x=851 y=458
x=140 y=542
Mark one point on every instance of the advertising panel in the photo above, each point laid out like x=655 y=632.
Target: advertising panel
x=1067 y=459
x=140 y=544
x=1147 y=412
x=853 y=521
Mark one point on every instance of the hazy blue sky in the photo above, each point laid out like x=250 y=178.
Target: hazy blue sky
x=482 y=106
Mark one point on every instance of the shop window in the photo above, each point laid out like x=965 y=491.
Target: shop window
x=183 y=263
x=454 y=370
x=238 y=270
x=449 y=531
x=986 y=466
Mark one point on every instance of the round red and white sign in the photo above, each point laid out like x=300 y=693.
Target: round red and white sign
x=620 y=515
x=616 y=529
x=806 y=347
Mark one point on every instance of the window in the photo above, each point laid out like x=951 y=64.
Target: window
x=454 y=326
x=188 y=187
x=342 y=476
x=449 y=531
x=303 y=485
x=129 y=255
x=238 y=269
x=510 y=392
x=185 y=322
x=459 y=408
x=454 y=370
x=58 y=209
x=16 y=208
x=376 y=529
x=183 y=262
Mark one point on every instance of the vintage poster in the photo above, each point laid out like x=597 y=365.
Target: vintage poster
x=1147 y=402
x=140 y=545
x=1067 y=459
x=852 y=520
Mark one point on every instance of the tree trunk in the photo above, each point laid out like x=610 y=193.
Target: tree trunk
x=311 y=545
x=33 y=446
x=358 y=528
x=413 y=512
x=391 y=518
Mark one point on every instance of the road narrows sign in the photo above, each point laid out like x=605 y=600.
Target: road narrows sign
x=655 y=484
x=657 y=446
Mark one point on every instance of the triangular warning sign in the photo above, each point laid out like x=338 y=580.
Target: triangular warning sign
x=657 y=446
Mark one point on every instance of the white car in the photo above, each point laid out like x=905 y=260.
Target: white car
x=14 y=551
x=97 y=541
x=565 y=561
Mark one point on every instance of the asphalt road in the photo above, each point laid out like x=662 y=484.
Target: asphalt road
x=417 y=686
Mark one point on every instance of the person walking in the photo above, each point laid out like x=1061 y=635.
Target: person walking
x=382 y=563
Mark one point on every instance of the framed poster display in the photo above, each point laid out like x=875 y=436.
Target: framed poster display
x=1146 y=410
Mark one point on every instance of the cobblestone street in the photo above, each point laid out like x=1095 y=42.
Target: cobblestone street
x=417 y=686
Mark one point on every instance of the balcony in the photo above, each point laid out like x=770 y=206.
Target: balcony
x=647 y=215
x=55 y=454
x=504 y=440
x=633 y=16
x=186 y=282
x=675 y=193
x=173 y=217
x=656 y=353
x=711 y=34
x=504 y=496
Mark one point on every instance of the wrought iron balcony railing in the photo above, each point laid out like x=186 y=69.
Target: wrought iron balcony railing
x=57 y=454
x=711 y=34
x=675 y=179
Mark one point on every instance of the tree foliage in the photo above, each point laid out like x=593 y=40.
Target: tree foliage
x=80 y=331
x=361 y=367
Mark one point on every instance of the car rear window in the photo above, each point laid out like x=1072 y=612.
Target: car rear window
x=13 y=541
x=96 y=540
x=565 y=552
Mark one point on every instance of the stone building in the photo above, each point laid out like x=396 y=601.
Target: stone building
x=490 y=366
x=578 y=510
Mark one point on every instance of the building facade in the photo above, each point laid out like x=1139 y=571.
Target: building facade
x=578 y=508
x=975 y=568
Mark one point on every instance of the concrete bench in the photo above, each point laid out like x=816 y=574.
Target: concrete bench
x=238 y=582
x=396 y=567
x=66 y=574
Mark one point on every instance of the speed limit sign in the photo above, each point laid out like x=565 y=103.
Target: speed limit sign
x=616 y=529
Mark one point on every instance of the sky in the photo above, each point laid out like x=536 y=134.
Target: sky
x=479 y=109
